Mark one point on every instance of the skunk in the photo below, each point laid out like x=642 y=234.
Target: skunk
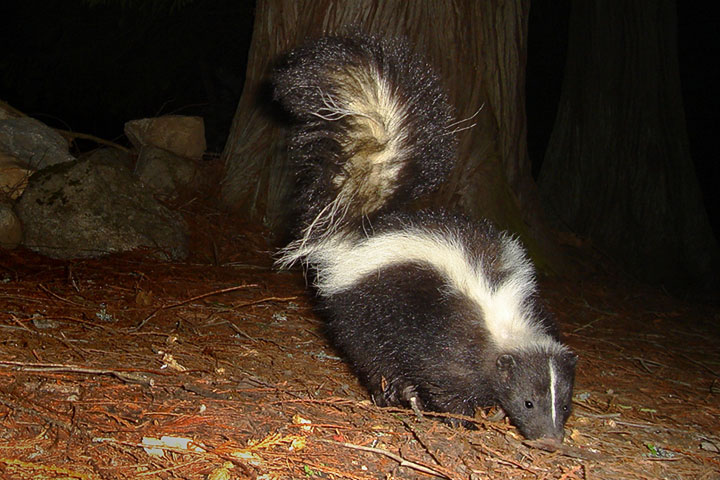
x=433 y=311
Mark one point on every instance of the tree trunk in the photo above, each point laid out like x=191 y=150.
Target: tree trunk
x=618 y=168
x=477 y=48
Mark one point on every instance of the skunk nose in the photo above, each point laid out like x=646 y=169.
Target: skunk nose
x=549 y=444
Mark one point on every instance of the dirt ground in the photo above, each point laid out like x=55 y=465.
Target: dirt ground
x=218 y=368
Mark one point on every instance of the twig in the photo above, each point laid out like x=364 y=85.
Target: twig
x=420 y=440
x=86 y=136
x=31 y=411
x=644 y=364
x=267 y=299
x=50 y=470
x=504 y=459
x=240 y=332
x=184 y=451
x=127 y=375
x=209 y=294
x=702 y=458
x=173 y=467
x=17 y=320
x=49 y=292
x=63 y=340
x=91 y=325
x=403 y=462
x=588 y=324
x=192 y=299
x=717 y=374
x=453 y=416
x=206 y=455
x=571 y=472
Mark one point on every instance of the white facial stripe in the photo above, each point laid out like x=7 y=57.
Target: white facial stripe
x=553 y=387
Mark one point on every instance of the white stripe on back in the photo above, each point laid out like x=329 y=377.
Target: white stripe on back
x=342 y=262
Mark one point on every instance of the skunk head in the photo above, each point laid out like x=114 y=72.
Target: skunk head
x=534 y=387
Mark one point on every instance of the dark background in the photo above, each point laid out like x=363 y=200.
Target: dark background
x=90 y=67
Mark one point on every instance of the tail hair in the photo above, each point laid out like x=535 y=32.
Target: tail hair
x=373 y=132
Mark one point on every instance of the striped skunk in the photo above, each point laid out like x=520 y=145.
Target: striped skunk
x=433 y=311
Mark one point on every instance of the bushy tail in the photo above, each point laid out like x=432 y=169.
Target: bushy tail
x=373 y=132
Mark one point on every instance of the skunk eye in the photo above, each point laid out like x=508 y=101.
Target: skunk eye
x=528 y=404
x=565 y=408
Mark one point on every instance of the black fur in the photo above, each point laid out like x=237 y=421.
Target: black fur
x=408 y=334
x=411 y=334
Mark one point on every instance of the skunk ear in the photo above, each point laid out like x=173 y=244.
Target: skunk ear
x=572 y=358
x=505 y=362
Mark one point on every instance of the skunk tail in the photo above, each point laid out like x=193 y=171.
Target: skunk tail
x=373 y=133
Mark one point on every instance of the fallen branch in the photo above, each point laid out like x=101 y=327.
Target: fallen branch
x=127 y=375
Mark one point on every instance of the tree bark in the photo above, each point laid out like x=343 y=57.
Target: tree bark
x=618 y=168
x=477 y=48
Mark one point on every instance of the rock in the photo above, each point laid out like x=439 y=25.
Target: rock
x=33 y=143
x=184 y=136
x=13 y=176
x=6 y=111
x=10 y=227
x=89 y=208
x=111 y=157
x=164 y=171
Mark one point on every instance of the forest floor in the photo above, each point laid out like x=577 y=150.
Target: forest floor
x=218 y=368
